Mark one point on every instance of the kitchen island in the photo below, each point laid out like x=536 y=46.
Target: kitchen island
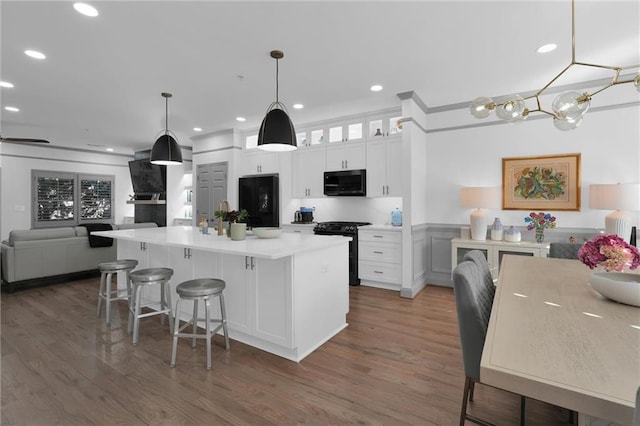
x=285 y=295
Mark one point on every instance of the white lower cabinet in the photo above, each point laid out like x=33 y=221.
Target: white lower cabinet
x=297 y=228
x=380 y=258
x=259 y=297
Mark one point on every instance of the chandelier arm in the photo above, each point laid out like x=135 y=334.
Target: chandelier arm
x=554 y=79
x=573 y=32
x=608 y=67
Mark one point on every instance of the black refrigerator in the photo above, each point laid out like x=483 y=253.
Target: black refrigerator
x=260 y=196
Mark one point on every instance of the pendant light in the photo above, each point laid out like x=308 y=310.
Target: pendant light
x=166 y=150
x=276 y=131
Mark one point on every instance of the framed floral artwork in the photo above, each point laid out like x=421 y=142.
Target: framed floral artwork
x=550 y=182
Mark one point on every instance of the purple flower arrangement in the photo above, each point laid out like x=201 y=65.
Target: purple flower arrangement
x=609 y=251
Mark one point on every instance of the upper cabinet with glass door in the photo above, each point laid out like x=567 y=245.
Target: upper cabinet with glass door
x=384 y=125
x=344 y=132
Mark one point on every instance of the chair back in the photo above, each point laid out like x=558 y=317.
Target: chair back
x=478 y=257
x=564 y=250
x=474 y=299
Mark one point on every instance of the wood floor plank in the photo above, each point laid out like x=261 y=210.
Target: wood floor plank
x=397 y=363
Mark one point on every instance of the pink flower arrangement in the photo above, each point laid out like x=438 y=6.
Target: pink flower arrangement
x=610 y=251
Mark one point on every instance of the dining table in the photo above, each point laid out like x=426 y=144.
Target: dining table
x=553 y=338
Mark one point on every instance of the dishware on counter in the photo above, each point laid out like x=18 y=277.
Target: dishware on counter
x=267 y=232
x=512 y=235
x=619 y=286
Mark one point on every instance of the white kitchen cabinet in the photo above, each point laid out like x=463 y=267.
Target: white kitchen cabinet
x=349 y=131
x=384 y=167
x=494 y=250
x=308 y=169
x=346 y=156
x=298 y=228
x=380 y=257
x=260 y=162
x=260 y=299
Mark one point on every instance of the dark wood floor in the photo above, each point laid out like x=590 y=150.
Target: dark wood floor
x=398 y=363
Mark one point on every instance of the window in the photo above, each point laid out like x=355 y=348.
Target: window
x=69 y=199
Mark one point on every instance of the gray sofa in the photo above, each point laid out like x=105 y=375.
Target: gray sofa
x=34 y=255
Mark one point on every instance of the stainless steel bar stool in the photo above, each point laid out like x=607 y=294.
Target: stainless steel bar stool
x=107 y=269
x=144 y=278
x=200 y=289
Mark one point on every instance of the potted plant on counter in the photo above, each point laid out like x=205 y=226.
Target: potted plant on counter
x=237 y=224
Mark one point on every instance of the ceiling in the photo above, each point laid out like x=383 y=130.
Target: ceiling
x=101 y=82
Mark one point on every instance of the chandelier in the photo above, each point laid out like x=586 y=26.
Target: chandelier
x=567 y=109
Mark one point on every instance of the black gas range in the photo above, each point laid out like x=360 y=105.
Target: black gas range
x=348 y=229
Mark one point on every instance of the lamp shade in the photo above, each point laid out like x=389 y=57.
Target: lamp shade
x=277 y=132
x=616 y=196
x=166 y=151
x=480 y=197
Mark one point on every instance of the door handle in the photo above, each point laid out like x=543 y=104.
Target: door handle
x=253 y=263
x=246 y=262
x=378 y=252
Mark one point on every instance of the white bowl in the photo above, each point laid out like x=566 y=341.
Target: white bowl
x=267 y=232
x=618 y=286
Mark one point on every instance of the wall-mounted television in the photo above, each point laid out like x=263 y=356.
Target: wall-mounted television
x=147 y=178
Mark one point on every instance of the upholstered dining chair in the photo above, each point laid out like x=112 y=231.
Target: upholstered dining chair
x=479 y=259
x=564 y=250
x=474 y=299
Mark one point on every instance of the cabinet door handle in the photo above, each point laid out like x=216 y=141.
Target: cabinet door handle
x=342 y=164
x=246 y=262
x=296 y=231
x=378 y=272
x=253 y=263
x=387 y=189
x=378 y=252
x=383 y=190
x=378 y=236
x=346 y=164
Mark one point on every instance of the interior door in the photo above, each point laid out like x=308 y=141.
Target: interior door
x=211 y=190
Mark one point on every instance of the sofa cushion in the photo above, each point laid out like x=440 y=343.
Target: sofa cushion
x=40 y=234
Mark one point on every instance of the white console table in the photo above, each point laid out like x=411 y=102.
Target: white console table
x=494 y=250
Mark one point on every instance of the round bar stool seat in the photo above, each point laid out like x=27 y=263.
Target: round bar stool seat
x=107 y=269
x=147 y=277
x=200 y=289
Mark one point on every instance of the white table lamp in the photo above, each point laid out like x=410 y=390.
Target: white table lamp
x=479 y=198
x=621 y=198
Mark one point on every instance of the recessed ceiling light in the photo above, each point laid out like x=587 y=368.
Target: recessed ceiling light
x=12 y=109
x=376 y=88
x=547 y=48
x=241 y=119
x=110 y=149
x=298 y=106
x=197 y=129
x=34 y=54
x=86 y=9
x=6 y=84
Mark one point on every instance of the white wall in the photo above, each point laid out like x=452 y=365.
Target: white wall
x=19 y=160
x=609 y=142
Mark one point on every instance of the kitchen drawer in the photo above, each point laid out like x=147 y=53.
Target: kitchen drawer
x=380 y=236
x=383 y=272
x=383 y=252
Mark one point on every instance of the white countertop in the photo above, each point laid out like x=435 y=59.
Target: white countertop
x=384 y=227
x=286 y=244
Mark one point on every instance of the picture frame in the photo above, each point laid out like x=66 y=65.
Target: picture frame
x=549 y=182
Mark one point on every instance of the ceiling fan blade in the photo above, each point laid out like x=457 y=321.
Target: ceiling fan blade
x=23 y=140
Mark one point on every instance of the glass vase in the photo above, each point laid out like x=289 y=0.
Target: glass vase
x=539 y=235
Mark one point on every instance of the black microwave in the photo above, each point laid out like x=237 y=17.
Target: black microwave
x=345 y=183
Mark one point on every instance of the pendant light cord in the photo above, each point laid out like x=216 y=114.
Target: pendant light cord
x=277 y=72
x=166 y=116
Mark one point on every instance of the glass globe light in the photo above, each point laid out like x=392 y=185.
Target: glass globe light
x=571 y=105
x=511 y=108
x=636 y=82
x=481 y=107
x=566 y=124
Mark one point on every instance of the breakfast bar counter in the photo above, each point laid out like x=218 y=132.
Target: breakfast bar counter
x=286 y=295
